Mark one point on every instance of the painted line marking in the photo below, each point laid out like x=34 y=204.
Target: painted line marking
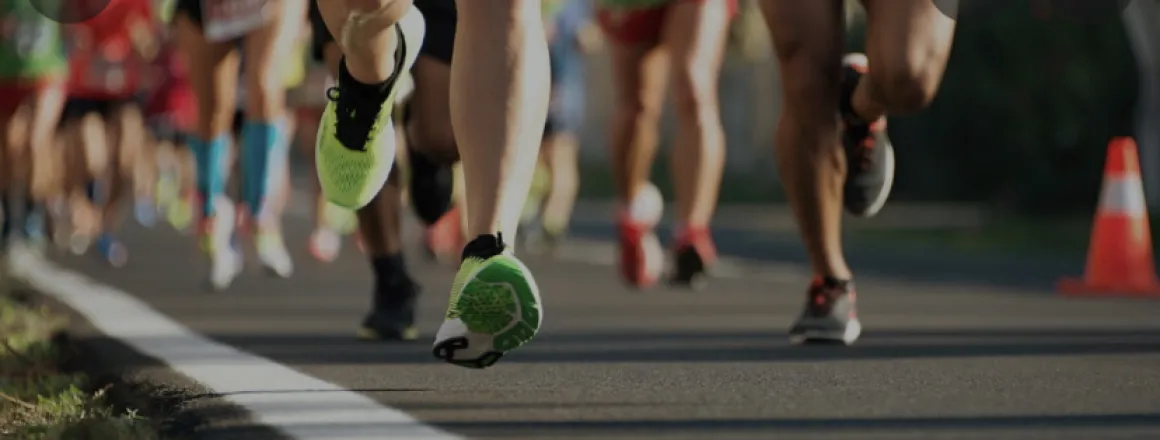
x=300 y=406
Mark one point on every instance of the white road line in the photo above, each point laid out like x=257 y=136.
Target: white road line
x=301 y=406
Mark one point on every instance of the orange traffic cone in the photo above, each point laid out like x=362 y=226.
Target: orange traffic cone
x=1120 y=255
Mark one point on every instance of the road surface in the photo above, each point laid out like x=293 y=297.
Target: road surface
x=953 y=349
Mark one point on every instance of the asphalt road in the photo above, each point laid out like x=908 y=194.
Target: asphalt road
x=953 y=349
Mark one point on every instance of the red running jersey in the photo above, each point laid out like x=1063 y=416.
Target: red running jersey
x=172 y=98
x=105 y=60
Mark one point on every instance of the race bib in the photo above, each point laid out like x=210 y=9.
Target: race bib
x=226 y=20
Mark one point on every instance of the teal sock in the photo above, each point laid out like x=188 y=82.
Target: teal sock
x=210 y=158
x=260 y=140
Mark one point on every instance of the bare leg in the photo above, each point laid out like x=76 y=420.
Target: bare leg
x=501 y=63
x=808 y=39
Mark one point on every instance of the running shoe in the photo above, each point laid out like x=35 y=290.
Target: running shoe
x=112 y=250
x=829 y=315
x=494 y=306
x=869 y=153
x=273 y=254
x=217 y=241
x=641 y=256
x=393 y=316
x=356 y=137
x=145 y=212
x=695 y=256
x=325 y=244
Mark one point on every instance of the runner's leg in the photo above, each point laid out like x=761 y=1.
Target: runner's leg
x=909 y=42
x=356 y=142
x=214 y=79
x=808 y=38
x=264 y=133
x=640 y=72
x=45 y=179
x=498 y=111
x=696 y=33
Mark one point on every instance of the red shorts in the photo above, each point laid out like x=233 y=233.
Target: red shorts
x=16 y=93
x=642 y=25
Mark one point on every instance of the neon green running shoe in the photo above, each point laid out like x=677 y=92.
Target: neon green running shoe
x=494 y=307
x=355 y=147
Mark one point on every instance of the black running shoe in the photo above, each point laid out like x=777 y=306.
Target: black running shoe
x=393 y=317
x=869 y=153
x=829 y=315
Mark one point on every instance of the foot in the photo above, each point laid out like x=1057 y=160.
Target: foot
x=695 y=255
x=217 y=241
x=112 y=250
x=494 y=307
x=393 y=318
x=356 y=137
x=869 y=153
x=829 y=315
x=325 y=244
x=179 y=213
x=145 y=212
x=641 y=256
x=444 y=239
x=273 y=254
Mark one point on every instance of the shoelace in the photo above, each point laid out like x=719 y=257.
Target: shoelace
x=824 y=293
x=359 y=112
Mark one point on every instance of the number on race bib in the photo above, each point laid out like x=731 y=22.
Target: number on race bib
x=229 y=19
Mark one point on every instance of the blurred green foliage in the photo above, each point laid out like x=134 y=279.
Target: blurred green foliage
x=1024 y=114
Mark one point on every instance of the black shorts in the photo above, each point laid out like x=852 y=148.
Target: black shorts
x=77 y=108
x=439 y=43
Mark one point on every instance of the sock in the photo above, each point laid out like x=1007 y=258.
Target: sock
x=210 y=159
x=259 y=142
x=392 y=283
x=359 y=88
x=484 y=247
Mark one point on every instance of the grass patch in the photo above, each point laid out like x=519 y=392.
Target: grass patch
x=38 y=399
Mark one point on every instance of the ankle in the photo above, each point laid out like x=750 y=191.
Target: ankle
x=484 y=246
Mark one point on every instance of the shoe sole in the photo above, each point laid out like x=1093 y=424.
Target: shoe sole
x=883 y=193
x=517 y=321
x=821 y=336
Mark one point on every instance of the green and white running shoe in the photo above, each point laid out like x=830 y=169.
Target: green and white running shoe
x=355 y=147
x=494 y=308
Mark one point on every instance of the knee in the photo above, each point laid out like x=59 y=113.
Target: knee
x=908 y=84
x=695 y=96
x=638 y=111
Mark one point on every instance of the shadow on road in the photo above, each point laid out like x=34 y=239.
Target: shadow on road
x=656 y=428
x=903 y=263
x=687 y=347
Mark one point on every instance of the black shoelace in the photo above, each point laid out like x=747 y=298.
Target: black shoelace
x=356 y=113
